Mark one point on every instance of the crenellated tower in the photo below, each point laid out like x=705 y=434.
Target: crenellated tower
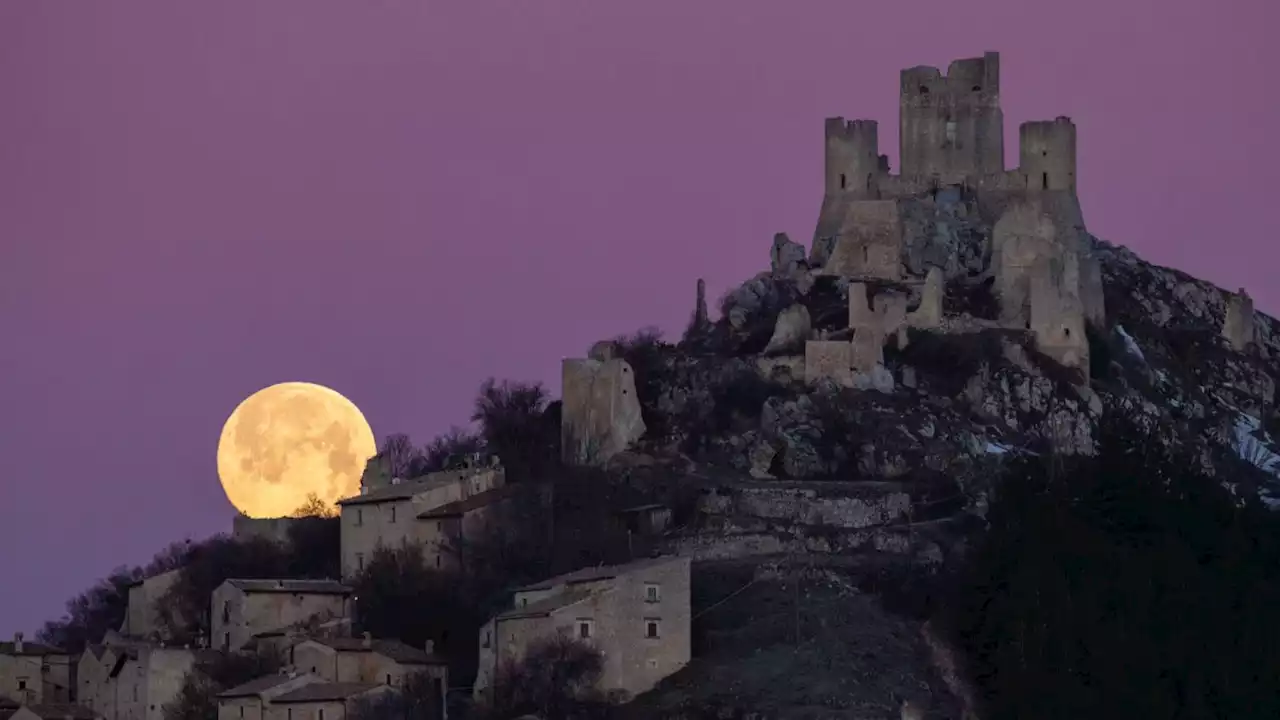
x=951 y=126
x=852 y=157
x=1047 y=154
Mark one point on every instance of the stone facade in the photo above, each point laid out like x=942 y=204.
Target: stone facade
x=294 y=697
x=34 y=673
x=638 y=615
x=243 y=609
x=418 y=512
x=244 y=527
x=142 y=619
x=129 y=680
x=366 y=660
x=600 y=411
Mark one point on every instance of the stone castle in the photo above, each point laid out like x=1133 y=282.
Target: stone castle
x=951 y=131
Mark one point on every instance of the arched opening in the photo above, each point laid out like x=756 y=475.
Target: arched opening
x=843 y=180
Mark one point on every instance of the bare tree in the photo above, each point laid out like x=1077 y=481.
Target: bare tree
x=557 y=678
x=314 y=507
x=400 y=455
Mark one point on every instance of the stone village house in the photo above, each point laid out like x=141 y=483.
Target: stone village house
x=637 y=615
x=241 y=610
x=55 y=711
x=125 y=679
x=366 y=660
x=33 y=673
x=294 y=697
x=432 y=512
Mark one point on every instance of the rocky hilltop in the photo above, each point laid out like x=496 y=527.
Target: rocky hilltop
x=845 y=414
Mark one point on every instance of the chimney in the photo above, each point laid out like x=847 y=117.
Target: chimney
x=368 y=639
x=17 y=643
x=430 y=647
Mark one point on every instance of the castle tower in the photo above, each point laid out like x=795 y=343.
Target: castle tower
x=1047 y=154
x=951 y=126
x=852 y=157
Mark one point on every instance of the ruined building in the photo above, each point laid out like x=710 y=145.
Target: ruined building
x=951 y=141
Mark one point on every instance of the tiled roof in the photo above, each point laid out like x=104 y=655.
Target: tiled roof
x=255 y=686
x=475 y=502
x=30 y=648
x=393 y=649
x=408 y=488
x=61 y=711
x=323 y=692
x=604 y=572
x=314 y=587
x=546 y=606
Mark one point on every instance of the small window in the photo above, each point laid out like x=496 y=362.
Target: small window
x=22 y=683
x=241 y=711
x=843 y=181
x=524 y=602
x=292 y=655
x=488 y=639
x=924 y=90
x=319 y=713
x=135 y=693
x=359 y=516
x=359 y=561
x=393 y=513
x=1044 y=180
x=388 y=678
x=289 y=713
x=977 y=88
x=653 y=663
x=651 y=629
x=652 y=593
x=226 y=641
x=584 y=629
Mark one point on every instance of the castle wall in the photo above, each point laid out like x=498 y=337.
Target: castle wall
x=869 y=242
x=1057 y=319
x=1022 y=237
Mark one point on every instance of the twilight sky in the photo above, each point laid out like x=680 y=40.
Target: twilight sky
x=399 y=199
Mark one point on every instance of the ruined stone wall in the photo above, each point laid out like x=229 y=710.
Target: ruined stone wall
x=952 y=125
x=600 y=412
x=852 y=158
x=869 y=242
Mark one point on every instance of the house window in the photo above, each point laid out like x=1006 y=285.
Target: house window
x=135 y=693
x=359 y=516
x=359 y=561
x=843 y=180
x=652 y=593
x=320 y=714
x=226 y=641
x=651 y=629
x=393 y=513
x=524 y=602
x=951 y=131
x=289 y=713
x=292 y=655
x=22 y=683
x=226 y=611
x=241 y=711
x=584 y=629
x=388 y=678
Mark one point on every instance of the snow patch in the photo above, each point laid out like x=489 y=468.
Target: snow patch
x=1130 y=344
x=994 y=449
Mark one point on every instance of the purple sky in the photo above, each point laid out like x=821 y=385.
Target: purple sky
x=398 y=199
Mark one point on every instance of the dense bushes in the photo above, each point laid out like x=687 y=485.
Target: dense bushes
x=1127 y=585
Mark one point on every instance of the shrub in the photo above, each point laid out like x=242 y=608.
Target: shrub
x=516 y=427
x=216 y=672
x=556 y=679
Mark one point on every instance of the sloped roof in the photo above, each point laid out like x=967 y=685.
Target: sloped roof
x=546 y=606
x=408 y=488
x=323 y=692
x=470 y=504
x=31 y=648
x=255 y=686
x=59 y=711
x=392 y=649
x=603 y=572
x=289 y=585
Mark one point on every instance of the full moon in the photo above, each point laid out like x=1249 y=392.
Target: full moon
x=289 y=441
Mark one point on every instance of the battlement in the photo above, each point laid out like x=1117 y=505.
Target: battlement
x=966 y=80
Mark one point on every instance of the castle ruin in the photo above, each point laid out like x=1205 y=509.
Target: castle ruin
x=952 y=138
